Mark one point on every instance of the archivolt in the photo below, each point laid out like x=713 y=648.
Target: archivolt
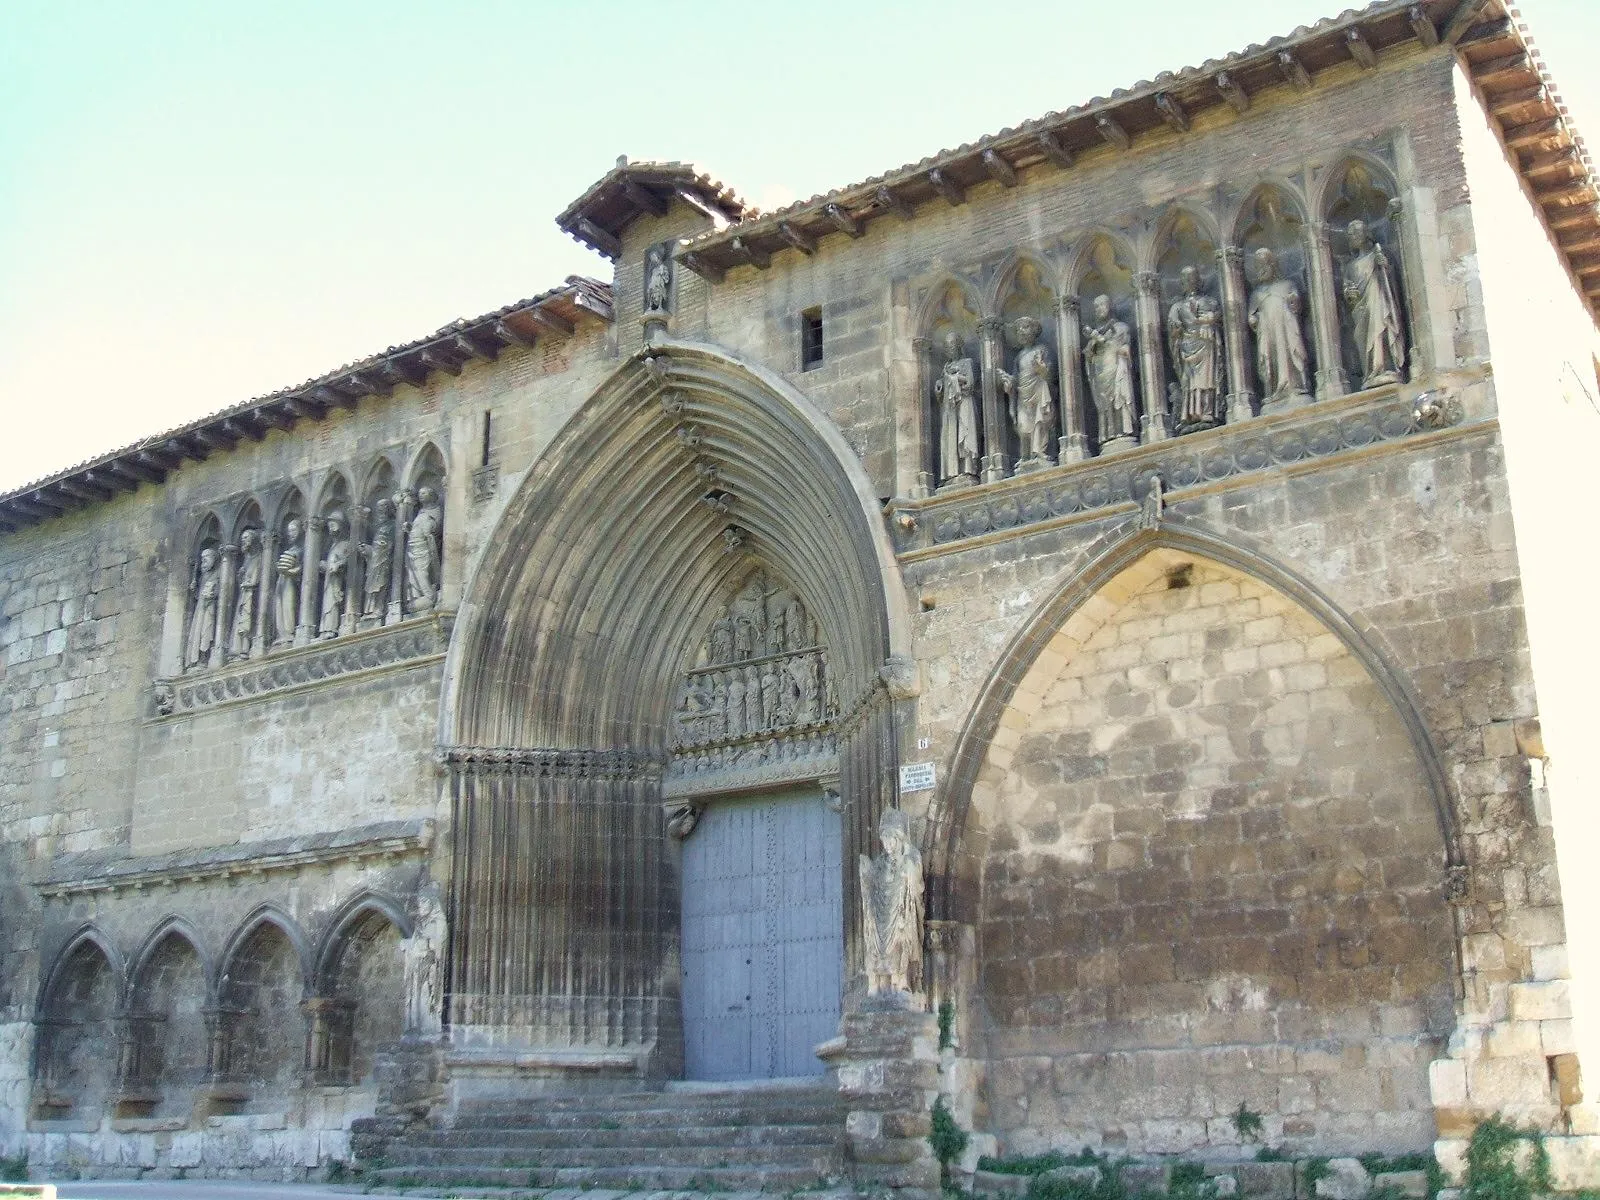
x=947 y=825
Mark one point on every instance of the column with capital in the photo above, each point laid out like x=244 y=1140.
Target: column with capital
x=926 y=418
x=1152 y=364
x=1074 y=445
x=405 y=507
x=353 y=573
x=261 y=633
x=1324 y=311
x=995 y=465
x=310 y=582
x=225 y=601
x=1236 y=330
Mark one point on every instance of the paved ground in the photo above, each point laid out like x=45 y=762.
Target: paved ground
x=219 y=1189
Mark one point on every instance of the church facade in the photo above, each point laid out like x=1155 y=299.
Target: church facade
x=1083 y=625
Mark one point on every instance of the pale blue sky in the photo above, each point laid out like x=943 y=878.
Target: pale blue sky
x=201 y=202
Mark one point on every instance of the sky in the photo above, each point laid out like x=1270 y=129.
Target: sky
x=201 y=202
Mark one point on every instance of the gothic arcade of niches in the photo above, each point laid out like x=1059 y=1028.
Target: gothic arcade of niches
x=1131 y=500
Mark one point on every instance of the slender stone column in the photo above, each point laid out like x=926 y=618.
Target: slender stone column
x=225 y=599
x=925 y=420
x=1152 y=364
x=310 y=582
x=354 y=576
x=1074 y=444
x=266 y=591
x=405 y=506
x=995 y=464
x=219 y=1043
x=327 y=1059
x=1236 y=328
x=1324 y=312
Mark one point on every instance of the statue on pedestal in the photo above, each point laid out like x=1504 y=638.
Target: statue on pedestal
x=335 y=569
x=378 y=557
x=1194 y=338
x=955 y=393
x=423 y=552
x=1032 y=403
x=247 y=596
x=891 y=909
x=286 y=609
x=1274 y=316
x=1373 y=300
x=203 y=624
x=1108 y=361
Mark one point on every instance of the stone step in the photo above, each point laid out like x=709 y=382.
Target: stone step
x=655 y=1136
x=536 y=1115
x=816 y=1159
x=635 y=1178
x=681 y=1101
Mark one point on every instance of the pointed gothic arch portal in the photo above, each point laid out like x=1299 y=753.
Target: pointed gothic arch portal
x=590 y=719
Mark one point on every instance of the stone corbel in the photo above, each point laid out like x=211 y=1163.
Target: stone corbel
x=1152 y=364
x=1074 y=445
x=995 y=464
x=682 y=816
x=901 y=677
x=1236 y=329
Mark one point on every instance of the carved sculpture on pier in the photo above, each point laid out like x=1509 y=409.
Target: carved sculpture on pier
x=203 y=621
x=423 y=552
x=1028 y=388
x=1275 y=316
x=247 y=594
x=955 y=394
x=335 y=571
x=1194 y=339
x=1371 y=296
x=377 y=558
x=1108 y=363
x=286 y=606
x=891 y=909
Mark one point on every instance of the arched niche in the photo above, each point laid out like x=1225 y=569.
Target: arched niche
x=1102 y=279
x=359 y=1006
x=425 y=538
x=1185 y=256
x=1204 y=822
x=330 y=595
x=953 y=382
x=259 y=992
x=205 y=597
x=245 y=614
x=75 y=1056
x=1026 y=303
x=287 y=568
x=378 y=543
x=1360 y=203
x=168 y=994
x=1270 y=230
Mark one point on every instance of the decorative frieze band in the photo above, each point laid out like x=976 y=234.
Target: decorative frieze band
x=547 y=763
x=752 y=762
x=417 y=641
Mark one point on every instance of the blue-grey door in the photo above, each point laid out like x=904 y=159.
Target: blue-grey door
x=762 y=937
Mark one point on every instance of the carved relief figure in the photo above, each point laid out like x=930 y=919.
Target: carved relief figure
x=286 y=609
x=1032 y=403
x=721 y=649
x=377 y=558
x=423 y=552
x=795 y=633
x=735 y=711
x=248 y=595
x=1108 y=361
x=335 y=569
x=1274 y=315
x=1194 y=338
x=203 y=624
x=754 y=719
x=891 y=908
x=769 y=697
x=1372 y=297
x=658 y=280
x=958 y=413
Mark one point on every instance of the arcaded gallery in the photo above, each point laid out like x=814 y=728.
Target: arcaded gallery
x=1074 y=635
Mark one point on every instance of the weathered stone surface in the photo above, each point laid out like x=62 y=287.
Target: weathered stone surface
x=1346 y=1179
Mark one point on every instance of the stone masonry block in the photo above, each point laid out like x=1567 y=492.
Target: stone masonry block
x=1544 y=1000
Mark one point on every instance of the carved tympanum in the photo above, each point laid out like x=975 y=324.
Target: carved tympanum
x=1029 y=389
x=891 y=909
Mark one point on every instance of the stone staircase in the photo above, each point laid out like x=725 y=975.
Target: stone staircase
x=767 y=1138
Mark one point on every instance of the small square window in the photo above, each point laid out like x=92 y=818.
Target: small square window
x=810 y=338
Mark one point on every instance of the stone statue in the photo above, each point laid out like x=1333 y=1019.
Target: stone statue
x=722 y=637
x=335 y=569
x=1032 y=404
x=203 y=624
x=809 y=706
x=958 y=413
x=423 y=963
x=286 y=609
x=1373 y=299
x=1194 y=338
x=735 y=722
x=423 y=552
x=891 y=909
x=682 y=819
x=795 y=632
x=658 y=280
x=1274 y=315
x=248 y=596
x=769 y=697
x=749 y=618
x=753 y=721
x=377 y=559
x=1153 y=505
x=1108 y=360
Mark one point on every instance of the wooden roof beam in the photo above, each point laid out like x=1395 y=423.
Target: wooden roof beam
x=1488 y=31
x=33 y=508
x=554 y=322
x=110 y=481
x=435 y=358
x=1461 y=20
x=1571 y=193
x=299 y=406
x=178 y=444
x=1509 y=68
x=243 y=426
x=214 y=437
x=332 y=396
x=1360 y=49
x=602 y=240
x=274 y=416
x=1171 y=110
x=1551 y=160
x=1001 y=171
x=367 y=383
x=843 y=221
x=82 y=490
x=471 y=347
x=158 y=459
x=796 y=237
x=1232 y=91
x=1052 y=149
x=703 y=267
x=1422 y=26
x=1503 y=102
x=403 y=371
x=891 y=201
x=643 y=198
x=514 y=336
x=582 y=299
x=130 y=468
x=1113 y=133
x=756 y=257
x=1531 y=133
x=1293 y=71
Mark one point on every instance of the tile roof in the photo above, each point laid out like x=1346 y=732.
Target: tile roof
x=630 y=190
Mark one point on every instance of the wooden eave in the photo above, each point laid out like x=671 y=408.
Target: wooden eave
x=556 y=313
x=631 y=190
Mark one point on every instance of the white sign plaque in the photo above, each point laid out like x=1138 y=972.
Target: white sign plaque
x=916 y=777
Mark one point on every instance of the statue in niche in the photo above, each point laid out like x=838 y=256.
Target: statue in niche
x=1032 y=403
x=286 y=607
x=248 y=595
x=658 y=280
x=788 y=694
x=1108 y=360
x=796 y=633
x=1372 y=297
x=777 y=611
x=335 y=570
x=1274 y=316
x=1194 y=338
x=749 y=614
x=203 y=624
x=423 y=963
x=722 y=637
x=803 y=669
x=891 y=909
x=769 y=697
x=423 y=552
x=377 y=559
x=735 y=709
x=958 y=413
x=753 y=719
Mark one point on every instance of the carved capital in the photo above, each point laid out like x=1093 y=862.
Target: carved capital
x=901 y=677
x=230 y=552
x=1457 y=882
x=317 y=524
x=1230 y=256
x=1395 y=208
x=919 y=345
x=990 y=326
x=1148 y=283
x=1068 y=305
